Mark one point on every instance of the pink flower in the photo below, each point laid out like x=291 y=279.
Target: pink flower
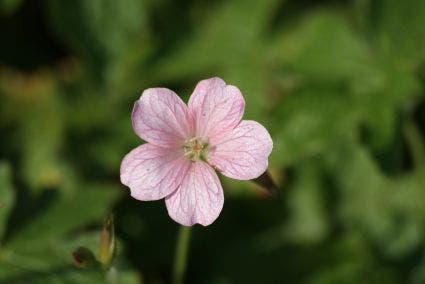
x=186 y=144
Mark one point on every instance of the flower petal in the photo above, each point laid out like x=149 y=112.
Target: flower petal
x=243 y=153
x=161 y=118
x=216 y=107
x=199 y=199
x=153 y=172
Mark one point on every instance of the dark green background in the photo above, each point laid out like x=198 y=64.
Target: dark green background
x=339 y=85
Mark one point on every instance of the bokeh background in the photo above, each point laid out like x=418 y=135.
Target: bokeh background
x=339 y=85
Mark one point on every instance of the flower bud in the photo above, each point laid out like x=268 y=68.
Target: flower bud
x=107 y=241
x=83 y=257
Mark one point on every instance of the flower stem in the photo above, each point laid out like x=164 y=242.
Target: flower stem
x=415 y=143
x=181 y=254
x=112 y=275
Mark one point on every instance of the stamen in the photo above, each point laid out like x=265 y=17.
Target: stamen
x=195 y=149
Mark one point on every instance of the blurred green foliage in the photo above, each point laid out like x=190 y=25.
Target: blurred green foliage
x=339 y=84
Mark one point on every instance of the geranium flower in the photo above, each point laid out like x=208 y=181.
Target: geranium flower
x=187 y=144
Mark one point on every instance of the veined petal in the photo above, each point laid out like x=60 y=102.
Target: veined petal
x=199 y=198
x=153 y=172
x=217 y=108
x=160 y=117
x=243 y=153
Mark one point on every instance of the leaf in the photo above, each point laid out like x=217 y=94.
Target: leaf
x=65 y=214
x=400 y=33
x=221 y=46
x=47 y=262
x=7 y=197
x=307 y=220
x=393 y=91
x=349 y=260
x=340 y=85
x=387 y=209
x=51 y=262
x=229 y=33
x=8 y=7
x=310 y=122
x=35 y=109
x=321 y=45
x=99 y=30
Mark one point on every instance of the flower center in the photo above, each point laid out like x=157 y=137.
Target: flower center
x=195 y=149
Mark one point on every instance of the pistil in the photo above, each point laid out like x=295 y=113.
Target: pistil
x=195 y=149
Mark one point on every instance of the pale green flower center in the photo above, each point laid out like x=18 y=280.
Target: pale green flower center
x=195 y=149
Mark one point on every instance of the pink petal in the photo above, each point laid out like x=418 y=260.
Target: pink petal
x=199 y=199
x=216 y=107
x=161 y=118
x=153 y=172
x=243 y=153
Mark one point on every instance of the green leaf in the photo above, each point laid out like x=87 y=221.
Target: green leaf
x=51 y=262
x=389 y=210
x=415 y=143
x=99 y=30
x=228 y=45
x=348 y=260
x=400 y=31
x=8 y=7
x=66 y=213
x=228 y=36
x=338 y=84
x=390 y=92
x=320 y=46
x=7 y=197
x=307 y=222
x=311 y=121
x=35 y=108
x=48 y=262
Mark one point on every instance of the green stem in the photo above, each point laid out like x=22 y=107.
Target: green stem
x=112 y=275
x=181 y=255
x=415 y=143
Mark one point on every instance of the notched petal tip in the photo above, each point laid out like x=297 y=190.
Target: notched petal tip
x=213 y=82
x=217 y=108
